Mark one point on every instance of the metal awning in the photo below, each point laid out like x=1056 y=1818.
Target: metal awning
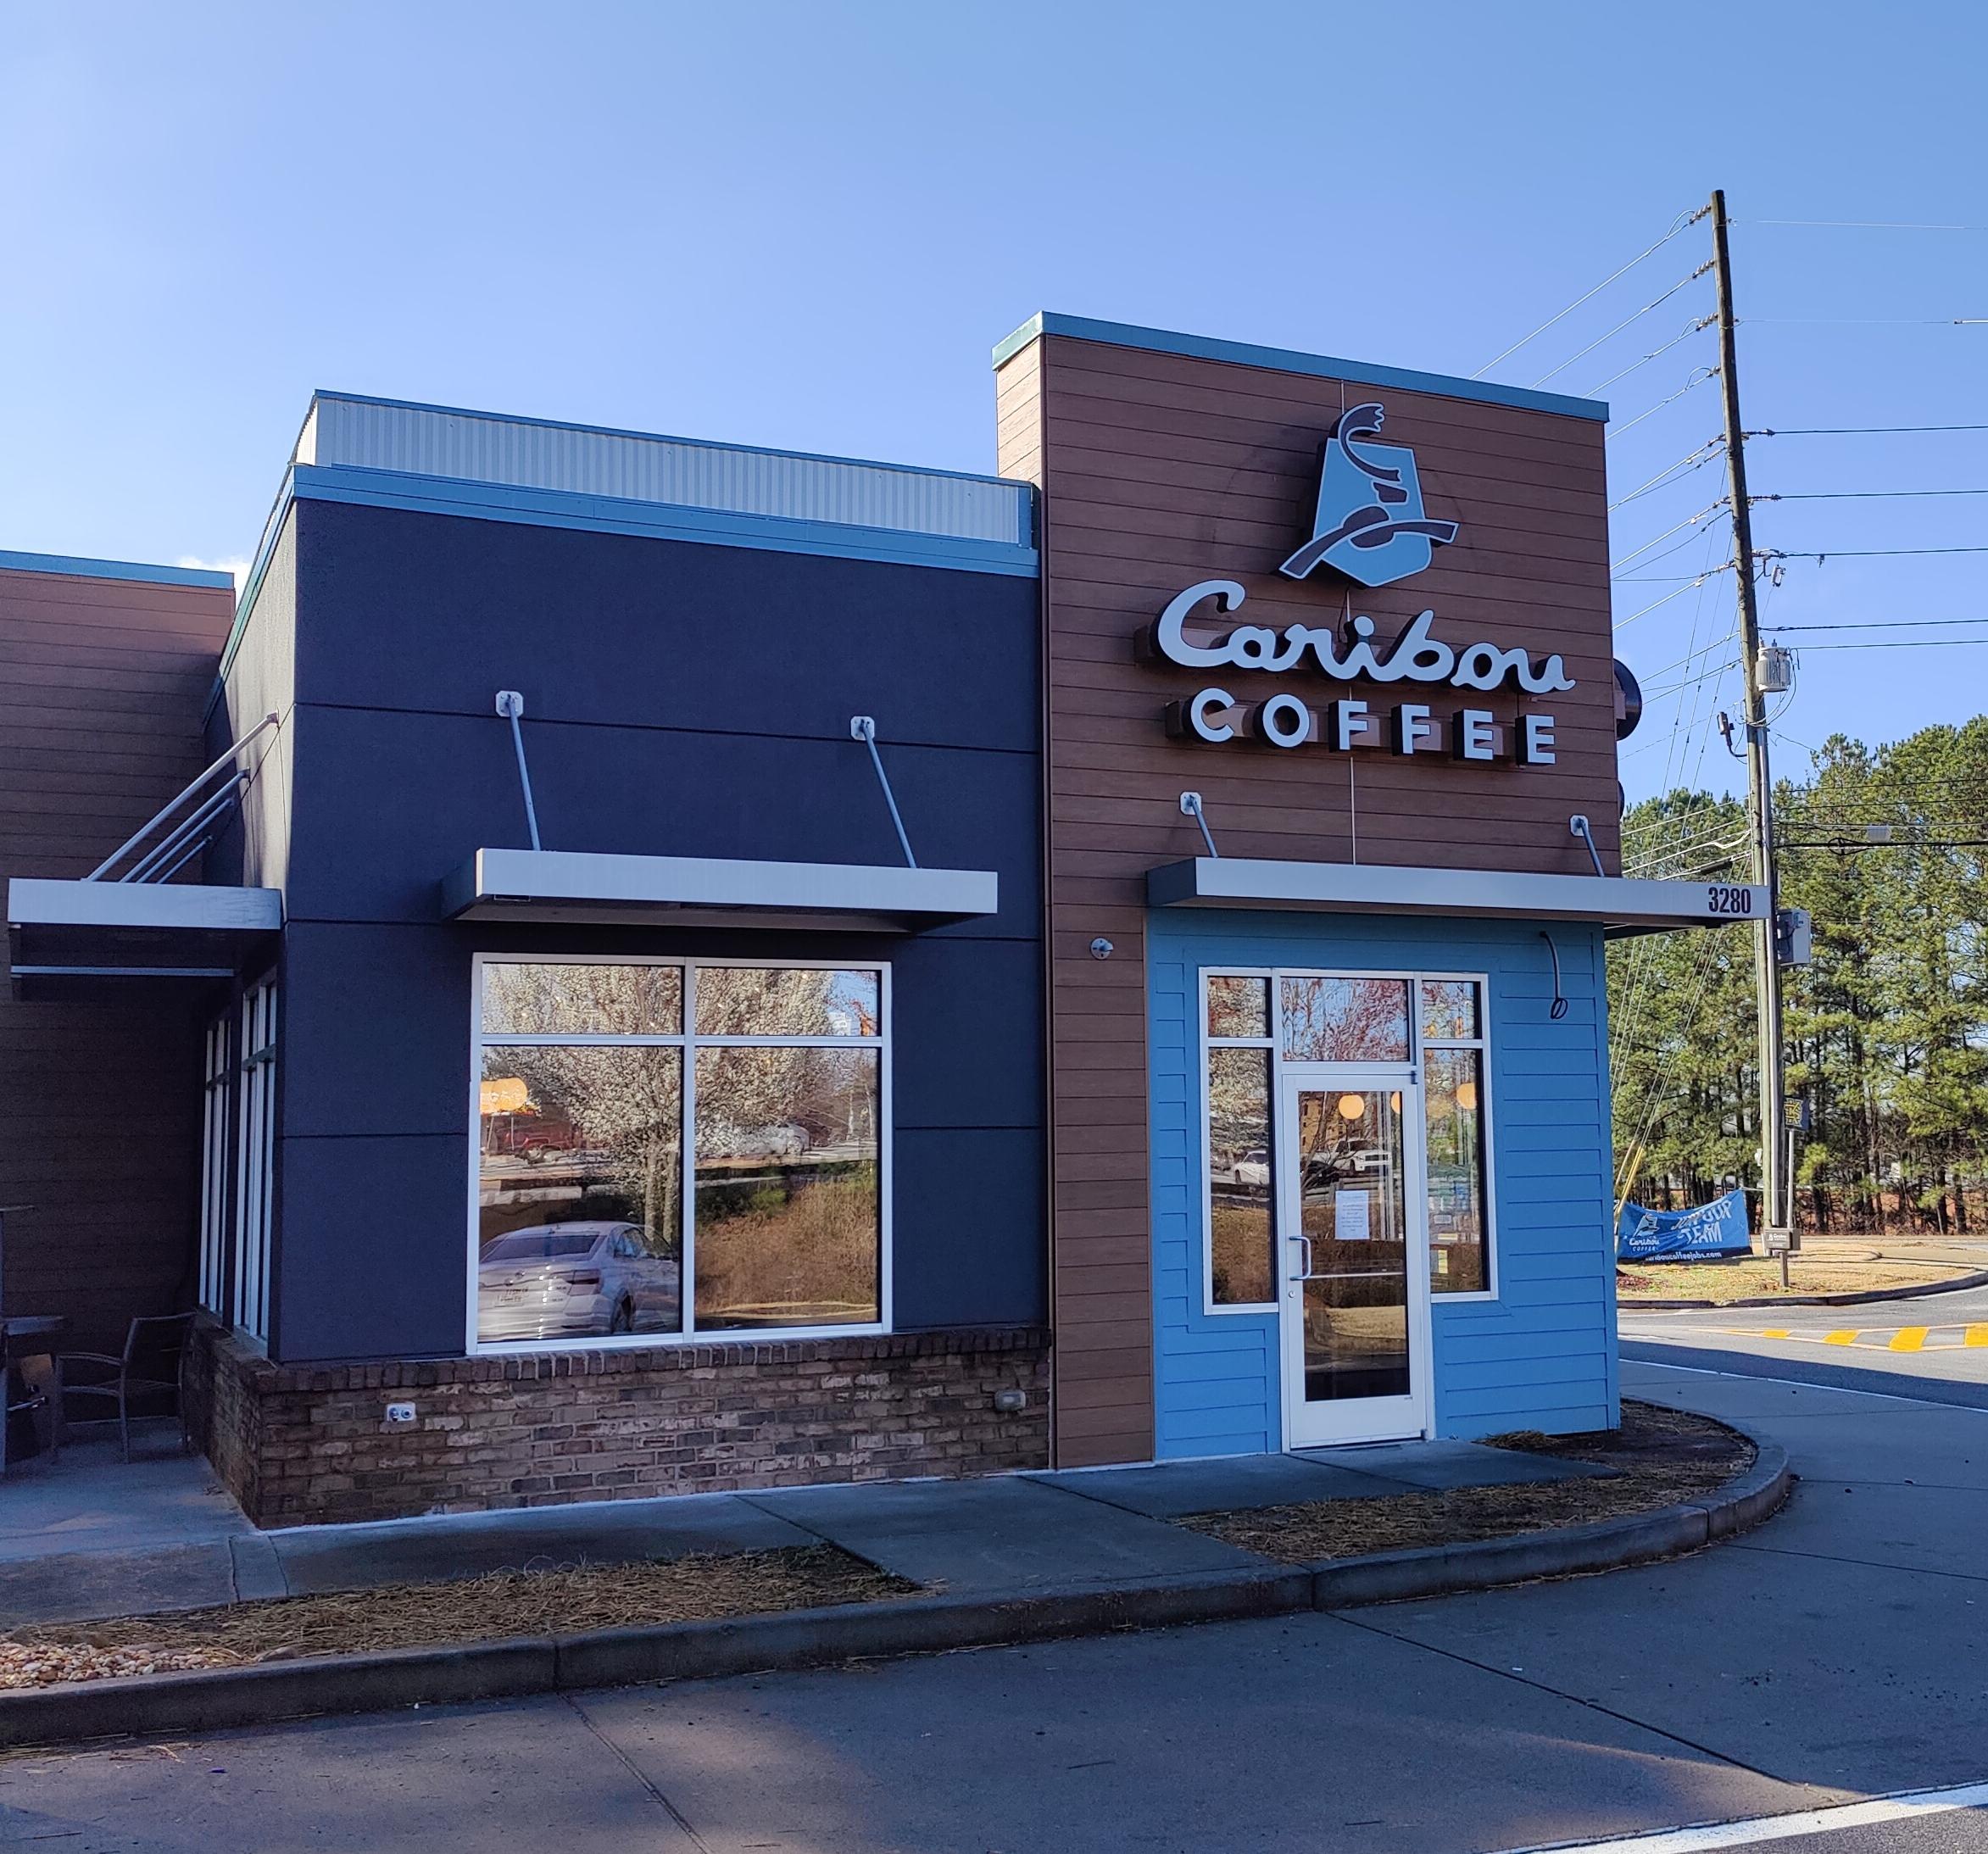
x=66 y=936
x=1622 y=906
x=577 y=885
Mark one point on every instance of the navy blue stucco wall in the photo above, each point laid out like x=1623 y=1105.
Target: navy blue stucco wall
x=680 y=699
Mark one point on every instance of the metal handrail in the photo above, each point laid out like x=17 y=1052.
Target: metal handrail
x=167 y=809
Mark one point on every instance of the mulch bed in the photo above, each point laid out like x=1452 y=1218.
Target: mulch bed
x=1723 y=1281
x=1661 y=1457
x=566 y=1600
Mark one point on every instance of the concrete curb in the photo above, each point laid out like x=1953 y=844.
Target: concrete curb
x=222 y=1698
x=1978 y=1279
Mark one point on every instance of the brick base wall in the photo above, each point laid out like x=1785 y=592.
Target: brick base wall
x=305 y=1445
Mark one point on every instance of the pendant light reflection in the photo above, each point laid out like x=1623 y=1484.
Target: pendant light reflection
x=1352 y=1107
x=1466 y=1096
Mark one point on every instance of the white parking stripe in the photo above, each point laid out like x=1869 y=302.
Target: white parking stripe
x=1906 y=1806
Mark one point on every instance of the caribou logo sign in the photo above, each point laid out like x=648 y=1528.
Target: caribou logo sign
x=1370 y=525
x=1415 y=656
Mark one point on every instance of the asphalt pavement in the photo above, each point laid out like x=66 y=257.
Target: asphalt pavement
x=1833 y=1655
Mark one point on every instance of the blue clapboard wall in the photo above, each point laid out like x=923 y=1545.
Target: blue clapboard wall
x=1540 y=1356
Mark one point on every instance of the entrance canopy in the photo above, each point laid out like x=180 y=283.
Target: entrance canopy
x=1624 y=906
x=573 y=885
x=69 y=936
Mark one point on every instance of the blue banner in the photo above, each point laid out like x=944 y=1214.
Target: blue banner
x=1716 y=1228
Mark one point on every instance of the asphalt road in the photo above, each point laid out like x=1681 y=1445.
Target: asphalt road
x=1935 y=1347
x=1834 y=1655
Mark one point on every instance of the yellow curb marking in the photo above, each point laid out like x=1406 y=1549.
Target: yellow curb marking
x=1909 y=1339
x=1977 y=1335
x=1774 y=1332
x=1843 y=1336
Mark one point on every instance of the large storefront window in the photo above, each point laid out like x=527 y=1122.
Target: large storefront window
x=1256 y=1023
x=592 y=1091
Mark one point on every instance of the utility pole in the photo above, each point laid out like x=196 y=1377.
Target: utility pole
x=1775 y=1198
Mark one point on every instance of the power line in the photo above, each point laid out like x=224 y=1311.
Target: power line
x=1654 y=302
x=1698 y=327
x=1864 y=553
x=1690 y=521
x=1678 y=593
x=1866 y=321
x=1861 y=495
x=1677 y=225
x=1856 y=431
x=1689 y=461
x=1859 y=225
x=1697 y=379
x=1902 y=643
x=1882 y=624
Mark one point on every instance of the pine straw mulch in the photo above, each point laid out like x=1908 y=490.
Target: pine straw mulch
x=1722 y=1283
x=1661 y=1457
x=564 y=1600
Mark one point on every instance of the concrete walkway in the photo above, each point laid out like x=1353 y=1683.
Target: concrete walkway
x=89 y=1537
x=1834 y=1653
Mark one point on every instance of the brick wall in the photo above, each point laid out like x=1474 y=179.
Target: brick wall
x=304 y=1444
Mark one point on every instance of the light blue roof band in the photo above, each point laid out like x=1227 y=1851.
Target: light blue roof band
x=1159 y=341
x=131 y=570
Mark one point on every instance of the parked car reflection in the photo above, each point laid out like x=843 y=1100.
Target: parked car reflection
x=574 y=1280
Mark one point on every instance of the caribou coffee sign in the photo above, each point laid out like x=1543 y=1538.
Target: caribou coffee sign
x=1370 y=528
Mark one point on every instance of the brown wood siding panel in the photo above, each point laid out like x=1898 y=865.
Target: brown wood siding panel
x=1161 y=470
x=102 y=686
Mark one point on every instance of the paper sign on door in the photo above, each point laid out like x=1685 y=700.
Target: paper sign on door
x=1350 y=1216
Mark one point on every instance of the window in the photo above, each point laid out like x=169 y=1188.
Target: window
x=1453 y=1101
x=255 y=1160
x=669 y=1148
x=215 y=1096
x=1345 y=1020
x=1436 y=1024
x=1242 y=1255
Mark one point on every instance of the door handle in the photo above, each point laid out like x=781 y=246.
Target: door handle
x=1304 y=1242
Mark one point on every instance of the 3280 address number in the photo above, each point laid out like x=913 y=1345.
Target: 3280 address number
x=1719 y=900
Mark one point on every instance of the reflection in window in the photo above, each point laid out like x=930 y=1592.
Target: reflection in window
x=1453 y=1088
x=579 y=1196
x=587 y=1229
x=583 y=999
x=1238 y=1007
x=1345 y=1020
x=789 y=1199
x=752 y=1001
x=1448 y=1009
x=1241 y=1254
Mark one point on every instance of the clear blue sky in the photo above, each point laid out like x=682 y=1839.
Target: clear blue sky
x=804 y=226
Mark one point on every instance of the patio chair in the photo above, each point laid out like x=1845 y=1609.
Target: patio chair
x=150 y=1364
x=10 y=1406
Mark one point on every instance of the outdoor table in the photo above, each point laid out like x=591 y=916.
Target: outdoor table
x=28 y=1335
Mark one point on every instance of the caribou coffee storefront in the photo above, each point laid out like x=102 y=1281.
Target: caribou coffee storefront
x=713 y=968
x=1332 y=815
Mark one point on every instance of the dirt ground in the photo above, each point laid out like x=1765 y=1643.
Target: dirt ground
x=1661 y=1457
x=1724 y=1282
x=560 y=1601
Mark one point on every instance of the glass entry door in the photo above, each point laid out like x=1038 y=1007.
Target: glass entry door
x=1353 y=1257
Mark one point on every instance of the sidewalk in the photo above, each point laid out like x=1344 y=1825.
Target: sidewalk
x=91 y=1538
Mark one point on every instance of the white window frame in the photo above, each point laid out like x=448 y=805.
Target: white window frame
x=689 y=1042
x=1417 y=1045
x=255 y=1160
x=217 y=1099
